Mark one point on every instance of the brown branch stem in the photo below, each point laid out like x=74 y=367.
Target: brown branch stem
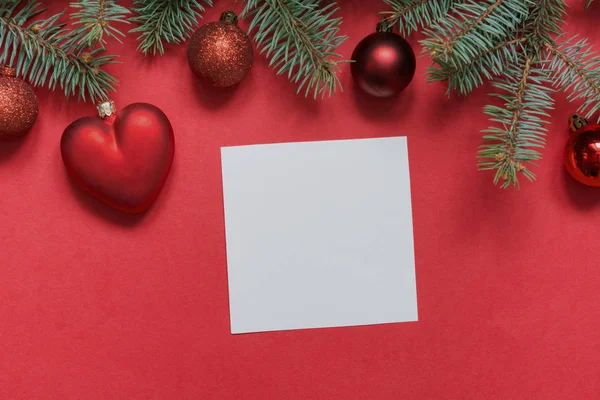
x=518 y=108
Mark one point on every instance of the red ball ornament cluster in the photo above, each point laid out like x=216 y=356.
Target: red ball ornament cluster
x=384 y=63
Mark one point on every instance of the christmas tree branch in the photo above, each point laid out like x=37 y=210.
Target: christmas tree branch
x=510 y=146
x=575 y=70
x=476 y=27
x=165 y=21
x=409 y=15
x=488 y=64
x=94 y=20
x=300 y=38
x=470 y=25
x=43 y=52
x=545 y=20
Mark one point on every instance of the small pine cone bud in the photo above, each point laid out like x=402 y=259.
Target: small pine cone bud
x=505 y=176
x=96 y=70
x=500 y=156
x=103 y=23
x=520 y=167
x=86 y=58
x=36 y=28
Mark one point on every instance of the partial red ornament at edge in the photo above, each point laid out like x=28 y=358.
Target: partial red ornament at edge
x=121 y=158
x=582 y=151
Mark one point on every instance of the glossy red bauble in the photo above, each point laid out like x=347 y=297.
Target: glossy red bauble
x=122 y=159
x=384 y=64
x=582 y=152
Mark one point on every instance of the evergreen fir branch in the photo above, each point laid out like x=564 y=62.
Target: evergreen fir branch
x=511 y=144
x=95 y=20
x=165 y=21
x=545 y=20
x=409 y=15
x=476 y=27
x=42 y=53
x=300 y=37
x=575 y=70
x=490 y=63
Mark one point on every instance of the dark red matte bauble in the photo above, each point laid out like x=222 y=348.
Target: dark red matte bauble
x=122 y=159
x=384 y=64
x=582 y=152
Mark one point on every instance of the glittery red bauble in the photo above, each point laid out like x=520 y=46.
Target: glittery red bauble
x=582 y=152
x=384 y=64
x=122 y=159
x=220 y=52
x=18 y=105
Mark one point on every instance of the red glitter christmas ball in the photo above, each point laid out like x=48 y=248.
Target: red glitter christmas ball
x=18 y=105
x=384 y=63
x=220 y=52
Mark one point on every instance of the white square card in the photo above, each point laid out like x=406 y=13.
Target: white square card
x=319 y=234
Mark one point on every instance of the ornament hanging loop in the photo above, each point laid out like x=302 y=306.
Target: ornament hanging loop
x=576 y=122
x=106 y=108
x=383 y=26
x=229 y=17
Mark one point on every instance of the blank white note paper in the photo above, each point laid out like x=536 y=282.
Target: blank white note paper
x=319 y=234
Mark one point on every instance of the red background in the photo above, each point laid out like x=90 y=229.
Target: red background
x=98 y=305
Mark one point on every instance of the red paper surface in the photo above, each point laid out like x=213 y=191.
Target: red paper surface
x=98 y=305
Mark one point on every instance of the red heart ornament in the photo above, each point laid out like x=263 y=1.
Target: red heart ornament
x=122 y=159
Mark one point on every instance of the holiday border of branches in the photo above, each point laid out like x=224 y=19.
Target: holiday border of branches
x=520 y=47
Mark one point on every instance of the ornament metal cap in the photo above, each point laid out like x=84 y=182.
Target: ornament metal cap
x=576 y=121
x=229 y=17
x=106 y=108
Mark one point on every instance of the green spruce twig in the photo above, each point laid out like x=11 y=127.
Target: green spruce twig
x=464 y=77
x=511 y=144
x=575 y=70
x=300 y=37
x=476 y=28
x=410 y=15
x=45 y=53
x=95 y=20
x=165 y=21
